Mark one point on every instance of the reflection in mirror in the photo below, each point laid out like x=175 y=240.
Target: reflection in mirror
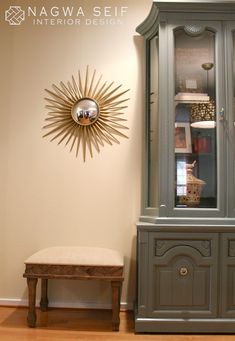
x=85 y=111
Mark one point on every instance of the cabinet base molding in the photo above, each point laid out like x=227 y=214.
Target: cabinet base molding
x=184 y=326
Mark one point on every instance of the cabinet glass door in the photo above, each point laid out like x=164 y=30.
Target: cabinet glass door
x=231 y=121
x=195 y=117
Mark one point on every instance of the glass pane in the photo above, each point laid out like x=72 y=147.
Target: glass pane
x=195 y=127
x=152 y=124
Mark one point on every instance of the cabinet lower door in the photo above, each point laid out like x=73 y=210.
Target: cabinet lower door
x=228 y=275
x=183 y=275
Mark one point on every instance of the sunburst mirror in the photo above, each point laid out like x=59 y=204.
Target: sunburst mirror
x=85 y=112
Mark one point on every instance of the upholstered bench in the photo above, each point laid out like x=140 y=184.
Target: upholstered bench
x=83 y=263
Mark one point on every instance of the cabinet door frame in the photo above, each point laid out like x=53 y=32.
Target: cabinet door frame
x=227 y=275
x=184 y=251
x=167 y=207
x=229 y=120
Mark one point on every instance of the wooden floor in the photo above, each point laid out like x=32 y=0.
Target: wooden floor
x=86 y=325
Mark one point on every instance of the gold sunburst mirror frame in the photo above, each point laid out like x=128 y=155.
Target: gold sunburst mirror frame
x=86 y=113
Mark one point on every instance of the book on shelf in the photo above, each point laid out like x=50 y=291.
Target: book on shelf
x=192 y=96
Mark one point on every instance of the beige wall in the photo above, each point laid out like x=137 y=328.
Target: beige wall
x=48 y=197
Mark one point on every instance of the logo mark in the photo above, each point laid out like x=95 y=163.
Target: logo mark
x=14 y=15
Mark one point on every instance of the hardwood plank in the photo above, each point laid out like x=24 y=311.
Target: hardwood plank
x=81 y=324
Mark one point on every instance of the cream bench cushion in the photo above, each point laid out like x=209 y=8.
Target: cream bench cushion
x=77 y=255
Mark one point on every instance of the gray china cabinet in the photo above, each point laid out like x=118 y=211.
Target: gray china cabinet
x=186 y=232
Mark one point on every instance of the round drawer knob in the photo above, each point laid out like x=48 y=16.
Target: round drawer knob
x=183 y=271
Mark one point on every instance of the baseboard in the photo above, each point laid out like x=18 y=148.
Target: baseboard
x=17 y=302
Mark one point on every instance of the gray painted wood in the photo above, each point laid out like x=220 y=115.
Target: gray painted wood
x=162 y=20
x=186 y=257
x=171 y=301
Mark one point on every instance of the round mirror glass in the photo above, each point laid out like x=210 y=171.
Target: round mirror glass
x=85 y=111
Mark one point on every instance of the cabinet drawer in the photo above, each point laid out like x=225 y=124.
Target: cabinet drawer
x=183 y=274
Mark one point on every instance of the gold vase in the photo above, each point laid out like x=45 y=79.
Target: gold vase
x=193 y=188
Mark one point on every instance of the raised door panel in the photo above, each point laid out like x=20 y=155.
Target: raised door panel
x=183 y=275
x=228 y=275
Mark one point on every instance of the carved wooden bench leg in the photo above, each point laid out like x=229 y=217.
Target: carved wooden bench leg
x=44 y=298
x=32 y=317
x=116 y=293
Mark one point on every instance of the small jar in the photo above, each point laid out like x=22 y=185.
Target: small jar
x=193 y=188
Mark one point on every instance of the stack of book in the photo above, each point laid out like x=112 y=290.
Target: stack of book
x=192 y=97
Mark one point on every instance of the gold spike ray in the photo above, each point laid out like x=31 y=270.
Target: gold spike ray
x=94 y=121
